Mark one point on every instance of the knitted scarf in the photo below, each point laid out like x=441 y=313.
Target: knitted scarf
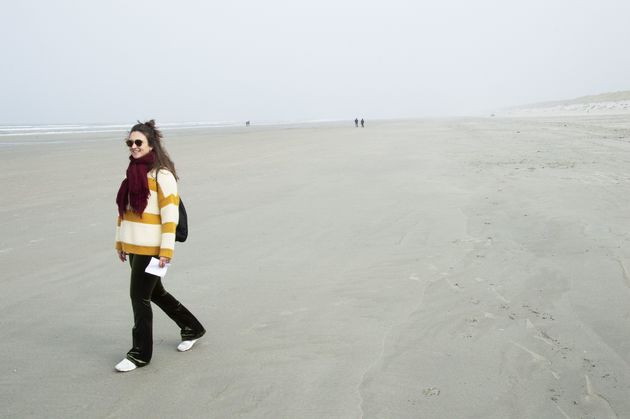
x=134 y=190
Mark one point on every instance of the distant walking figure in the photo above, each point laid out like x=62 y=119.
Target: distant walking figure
x=246 y=123
x=362 y=123
x=147 y=218
x=356 y=122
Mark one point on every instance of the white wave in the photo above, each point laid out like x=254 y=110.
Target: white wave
x=53 y=128
x=30 y=130
x=30 y=133
x=66 y=129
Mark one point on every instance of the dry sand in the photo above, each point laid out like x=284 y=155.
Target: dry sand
x=470 y=268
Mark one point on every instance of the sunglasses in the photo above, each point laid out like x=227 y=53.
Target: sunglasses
x=138 y=143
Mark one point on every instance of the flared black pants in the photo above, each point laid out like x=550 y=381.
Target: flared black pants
x=146 y=288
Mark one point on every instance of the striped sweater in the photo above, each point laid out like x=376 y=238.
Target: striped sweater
x=153 y=232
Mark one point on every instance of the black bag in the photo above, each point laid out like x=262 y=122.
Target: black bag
x=181 y=232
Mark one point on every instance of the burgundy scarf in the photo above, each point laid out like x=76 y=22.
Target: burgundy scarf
x=134 y=190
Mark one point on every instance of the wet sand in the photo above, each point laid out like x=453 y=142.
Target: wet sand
x=447 y=268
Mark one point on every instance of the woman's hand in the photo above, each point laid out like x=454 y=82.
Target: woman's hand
x=122 y=255
x=164 y=261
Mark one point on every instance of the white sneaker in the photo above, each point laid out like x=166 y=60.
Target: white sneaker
x=186 y=345
x=125 y=366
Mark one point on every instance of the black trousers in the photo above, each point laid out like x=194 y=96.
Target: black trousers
x=146 y=288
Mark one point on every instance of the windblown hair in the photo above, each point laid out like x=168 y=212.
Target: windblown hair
x=154 y=136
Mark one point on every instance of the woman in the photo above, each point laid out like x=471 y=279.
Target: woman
x=147 y=217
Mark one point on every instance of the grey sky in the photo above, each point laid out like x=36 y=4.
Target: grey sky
x=118 y=61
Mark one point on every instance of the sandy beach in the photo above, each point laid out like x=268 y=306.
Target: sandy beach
x=447 y=268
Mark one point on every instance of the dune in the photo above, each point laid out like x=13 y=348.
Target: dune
x=612 y=103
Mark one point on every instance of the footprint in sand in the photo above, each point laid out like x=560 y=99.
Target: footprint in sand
x=431 y=391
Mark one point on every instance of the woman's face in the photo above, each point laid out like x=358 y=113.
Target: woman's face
x=136 y=150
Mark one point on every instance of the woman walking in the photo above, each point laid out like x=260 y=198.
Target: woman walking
x=147 y=217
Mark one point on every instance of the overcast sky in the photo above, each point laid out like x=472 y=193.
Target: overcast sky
x=117 y=61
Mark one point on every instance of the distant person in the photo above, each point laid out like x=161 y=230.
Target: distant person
x=362 y=123
x=356 y=122
x=246 y=123
x=147 y=217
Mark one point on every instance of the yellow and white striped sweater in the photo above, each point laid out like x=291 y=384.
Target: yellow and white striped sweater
x=153 y=232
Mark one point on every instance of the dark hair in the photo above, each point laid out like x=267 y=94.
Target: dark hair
x=154 y=136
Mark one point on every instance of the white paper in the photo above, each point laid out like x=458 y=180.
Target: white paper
x=154 y=268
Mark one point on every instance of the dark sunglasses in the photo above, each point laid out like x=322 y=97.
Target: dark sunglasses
x=138 y=143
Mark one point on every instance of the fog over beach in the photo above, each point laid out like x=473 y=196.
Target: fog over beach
x=464 y=255
x=111 y=63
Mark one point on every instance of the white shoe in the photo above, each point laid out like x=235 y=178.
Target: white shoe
x=125 y=366
x=186 y=345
